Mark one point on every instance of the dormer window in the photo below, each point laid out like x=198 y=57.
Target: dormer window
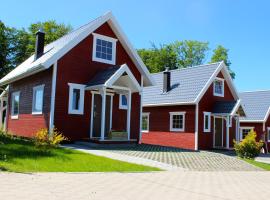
x=219 y=87
x=104 y=49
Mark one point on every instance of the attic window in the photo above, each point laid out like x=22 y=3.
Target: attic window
x=104 y=49
x=219 y=87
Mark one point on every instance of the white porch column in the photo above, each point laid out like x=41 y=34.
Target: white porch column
x=103 y=112
x=1 y=112
x=227 y=132
x=128 y=113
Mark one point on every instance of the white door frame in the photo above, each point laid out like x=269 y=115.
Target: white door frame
x=92 y=111
x=214 y=133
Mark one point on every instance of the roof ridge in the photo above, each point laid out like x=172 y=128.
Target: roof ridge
x=189 y=67
x=253 y=91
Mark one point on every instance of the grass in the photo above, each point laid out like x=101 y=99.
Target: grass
x=264 y=166
x=21 y=155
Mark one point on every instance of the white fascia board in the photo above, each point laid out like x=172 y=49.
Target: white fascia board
x=169 y=104
x=236 y=107
x=267 y=115
x=250 y=121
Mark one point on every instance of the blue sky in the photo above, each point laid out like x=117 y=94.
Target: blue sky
x=242 y=26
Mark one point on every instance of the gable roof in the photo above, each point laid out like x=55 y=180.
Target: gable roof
x=256 y=104
x=58 y=48
x=188 y=85
x=224 y=107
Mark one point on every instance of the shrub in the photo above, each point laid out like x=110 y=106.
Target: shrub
x=49 y=139
x=248 y=147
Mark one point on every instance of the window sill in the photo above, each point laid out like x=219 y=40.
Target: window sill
x=177 y=130
x=15 y=117
x=145 y=131
x=123 y=107
x=75 y=112
x=218 y=95
x=37 y=113
x=207 y=131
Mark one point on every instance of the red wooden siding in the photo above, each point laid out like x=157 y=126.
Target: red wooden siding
x=206 y=105
x=77 y=67
x=27 y=124
x=159 y=127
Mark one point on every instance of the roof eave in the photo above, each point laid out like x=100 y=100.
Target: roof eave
x=170 y=104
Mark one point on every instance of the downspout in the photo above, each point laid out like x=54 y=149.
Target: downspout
x=53 y=91
x=141 y=108
x=196 y=126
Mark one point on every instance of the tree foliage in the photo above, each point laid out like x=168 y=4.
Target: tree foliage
x=16 y=45
x=221 y=54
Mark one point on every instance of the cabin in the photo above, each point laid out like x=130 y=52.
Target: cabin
x=87 y=85
x=257 y=108
x=193 y=108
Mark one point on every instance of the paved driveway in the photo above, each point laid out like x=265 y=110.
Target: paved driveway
x=168 y=185
x=192 y=160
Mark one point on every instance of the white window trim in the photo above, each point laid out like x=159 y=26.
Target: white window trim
x=106 y=38
x=123 y=107
x=171 y=122
x=207 y=130
x=216 y=94
x=12 y=105
x=34 y=99
x=241 y=131
x=268 y=133
x=81 y=87
x=146 y=114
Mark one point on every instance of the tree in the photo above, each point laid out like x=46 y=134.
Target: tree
x=179 y=54
x=221 y=54
x=4 y=49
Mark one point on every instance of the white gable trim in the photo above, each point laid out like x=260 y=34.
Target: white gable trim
x=227 y=77
x=267 y=115
x=108 y=17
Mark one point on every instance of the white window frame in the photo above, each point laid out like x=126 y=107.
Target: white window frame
x=207 y=130
x=81 y=87
x=147 y=115
x=13 y=116
x=214 y=86
x=268 y=134
x=171 y=121
x=241 y=131
x=121 y=106
x=106 y=38
x=39 y=87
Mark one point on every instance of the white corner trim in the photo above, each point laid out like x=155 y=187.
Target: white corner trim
x=171 y=122
x=81 y=87
x=39 y=87
x=196 y=146
x=214 y=85
x=207 y=130
x=53 y=91
x=106 y=38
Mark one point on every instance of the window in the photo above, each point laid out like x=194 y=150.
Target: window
x=268 y=134
x=177 y=121
x=15 y=105
x=219 y=87
x=76 y=98
x=145 y=122
x=207 y=122
x=122 y=101
x=37 y=104
x=244 y=131
x=104 y=49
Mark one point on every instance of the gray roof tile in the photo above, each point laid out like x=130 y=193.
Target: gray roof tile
x=186 y=83
x=256 y=104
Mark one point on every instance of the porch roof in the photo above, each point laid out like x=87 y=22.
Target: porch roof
x=228 y=107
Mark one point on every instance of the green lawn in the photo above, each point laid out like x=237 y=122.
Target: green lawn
x=264 y=166
x=19 y=155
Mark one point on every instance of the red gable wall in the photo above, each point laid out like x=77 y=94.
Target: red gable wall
x=77 y=67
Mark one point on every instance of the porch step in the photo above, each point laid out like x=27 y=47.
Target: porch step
x=104 y=145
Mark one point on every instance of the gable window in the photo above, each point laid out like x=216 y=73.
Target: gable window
x=104 y=49
x=177 y=121
x=244 y=131
x=37 y=104
x=268 y=134
x=207 y=122
x=122 y=101
x=76 y=98
x=145 y=122
x=219 y=87
x=15 y=102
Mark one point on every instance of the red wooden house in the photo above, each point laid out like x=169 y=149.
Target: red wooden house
x=257 y=109
x=85 y=84
x=193 y=108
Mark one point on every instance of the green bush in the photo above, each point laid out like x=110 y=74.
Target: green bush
x=248 y=147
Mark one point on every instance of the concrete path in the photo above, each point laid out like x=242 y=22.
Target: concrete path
x=169 y=185
x=122 y=157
